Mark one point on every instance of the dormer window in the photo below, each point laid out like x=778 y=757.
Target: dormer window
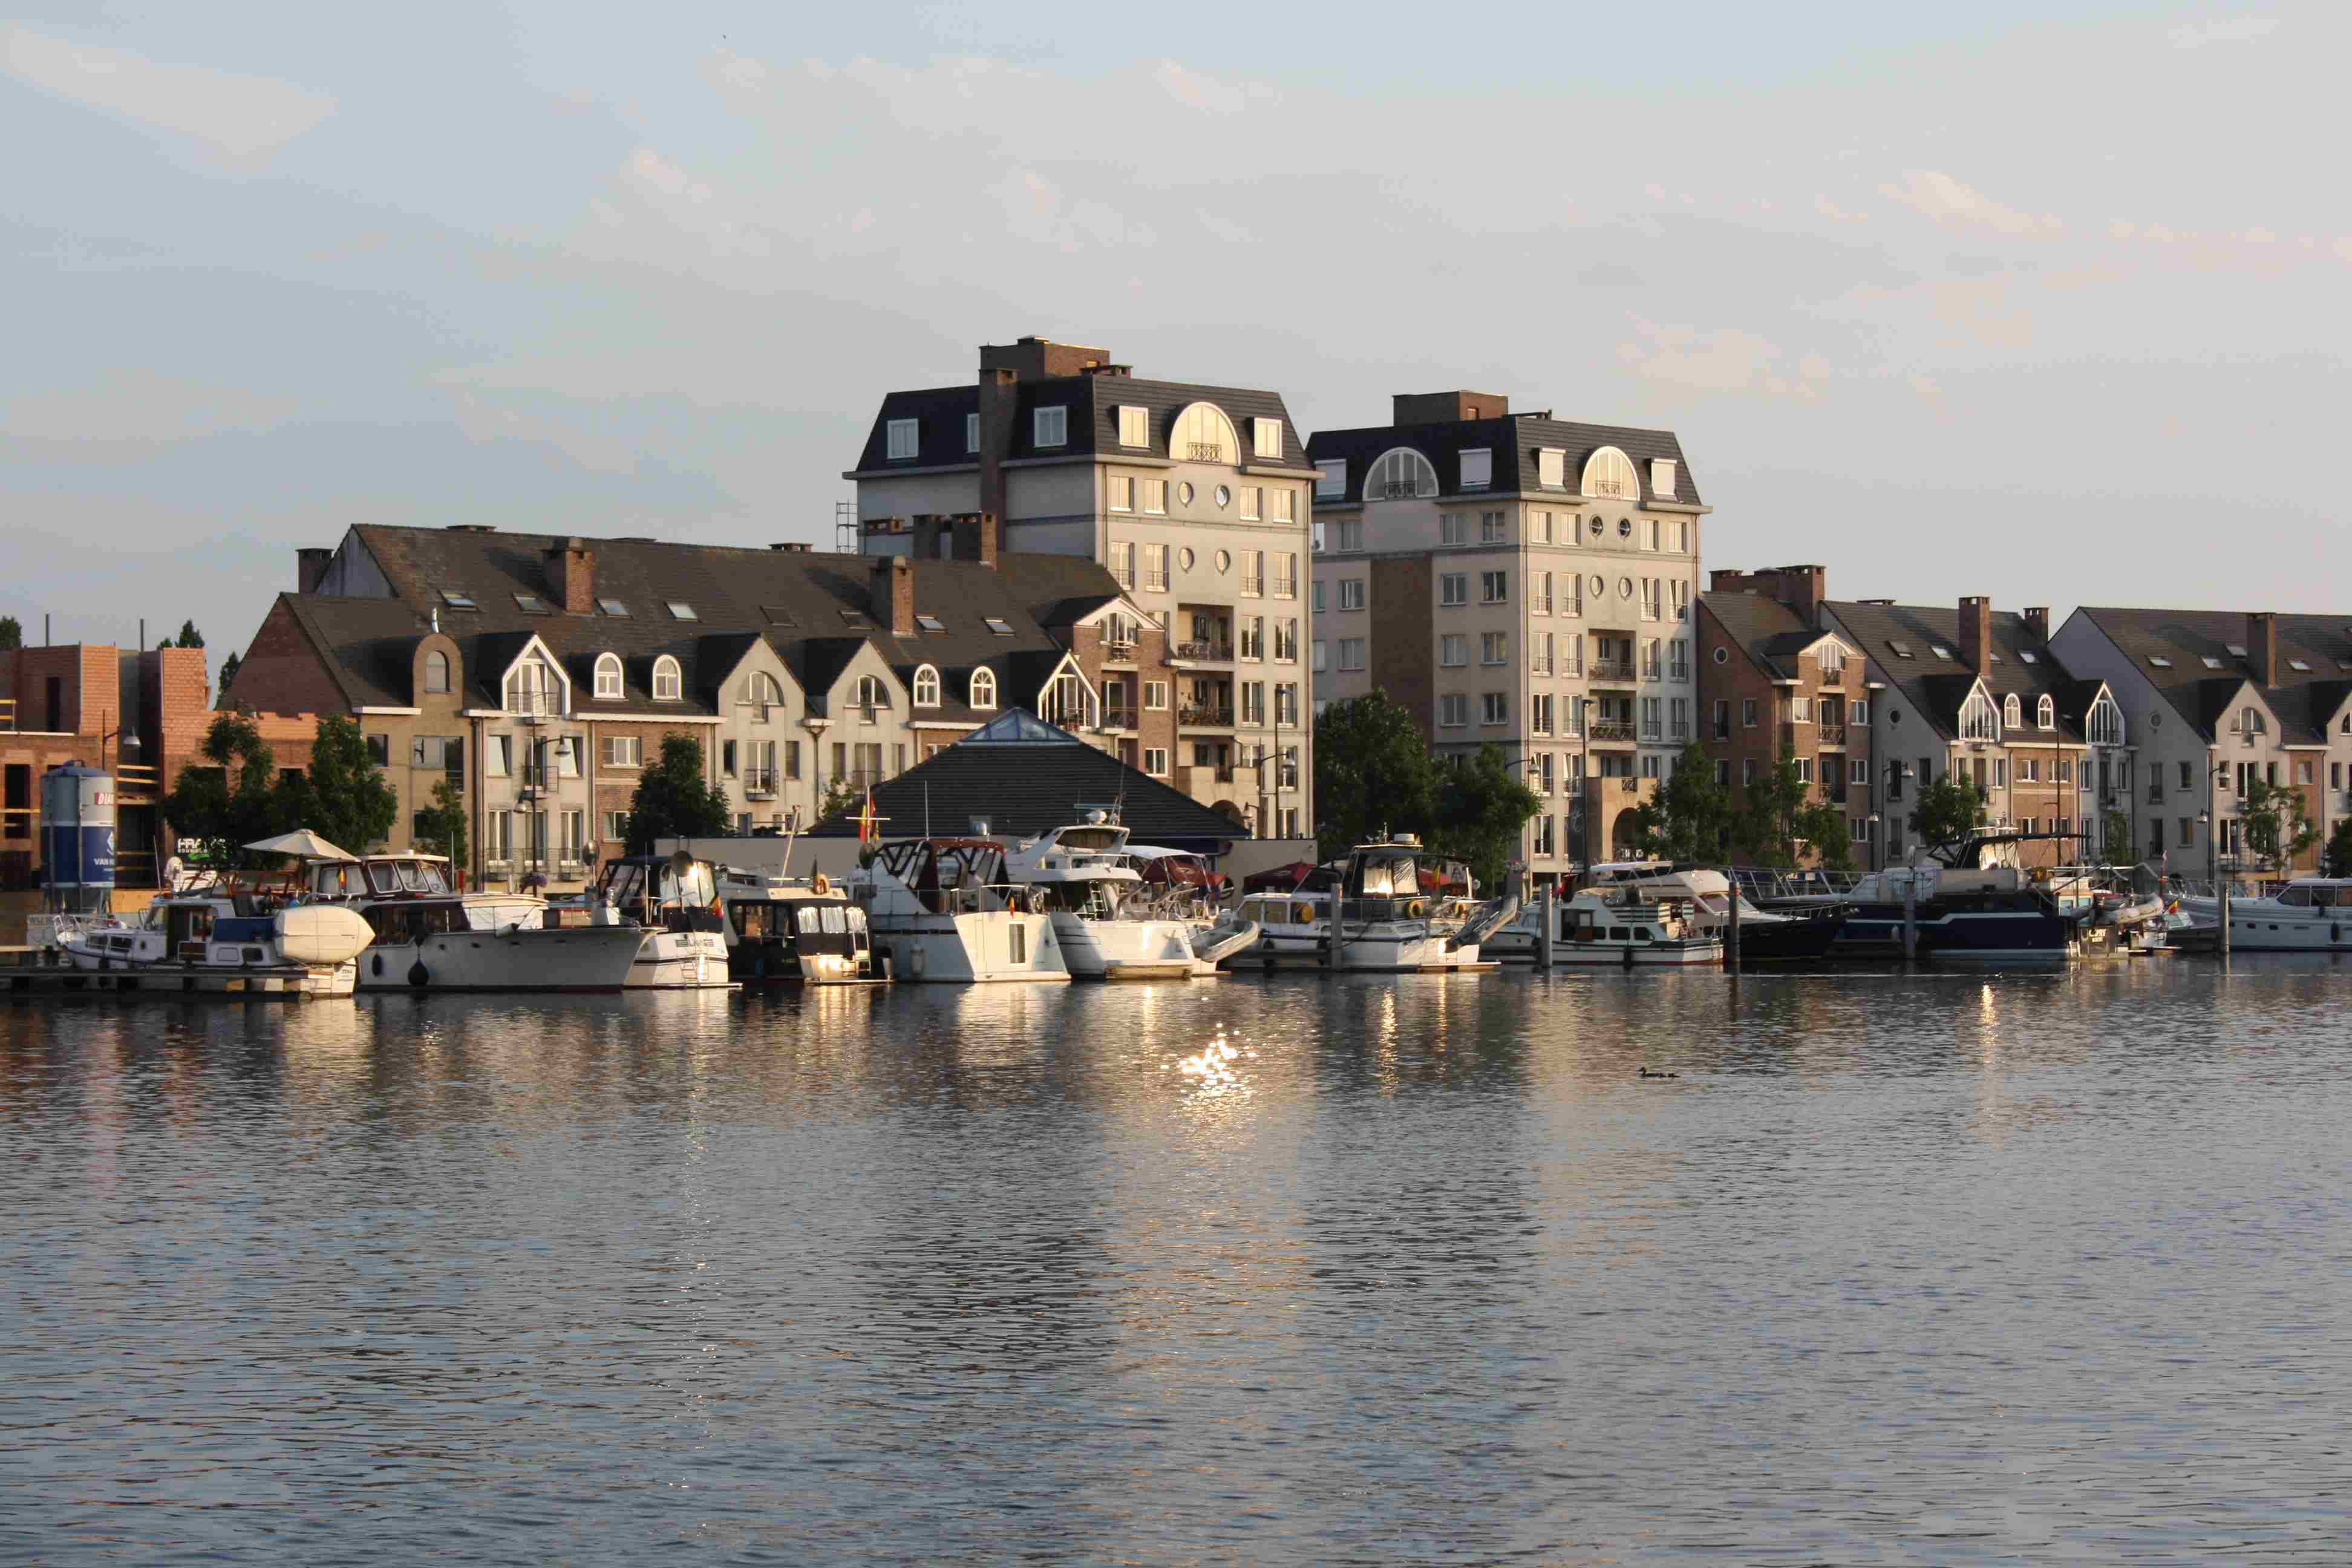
x=927 y=687
x=2012 y=711
x=1477 y=468
x=899 y=439
x=668 y=686
x=983 y=689
x=1609 y=474
x=1551 y=468
x=436 y=671
x=1265 y=438
x=1662 y=476
x=608 y=676
x=1330 y=478
x=1134 y=425
x=2105 y=727
x=1051 y=427
x=1400 y=474
x=1980 y=720
x=2045 y=714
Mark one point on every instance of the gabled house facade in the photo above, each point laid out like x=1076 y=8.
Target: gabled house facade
x=539 y=676
x=1772 y=683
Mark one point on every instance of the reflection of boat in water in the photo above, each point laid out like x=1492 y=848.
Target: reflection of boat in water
x=234 y=938
x=782 y=931
x=943 y=910
x=1111 y=923
x=673 y=900
x=429 y=937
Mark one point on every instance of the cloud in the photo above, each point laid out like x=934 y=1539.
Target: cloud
x=1609 y=275
x=244 y=116
x=2227 y=30
x=1947 y=202
x=142 y=406
x=1036 y=209
x=1834 y=212
x=1724 y=360
x=1223 y=228
x=1197 y=89
x=690 y=205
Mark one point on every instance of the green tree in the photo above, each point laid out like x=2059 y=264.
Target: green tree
x=2339 y=853
x=841 y=795
x=1482 y=802
x=1691 y=817
x=442 y=825
x=2115 y=841
x=1823 y=824
x=11 y=633
x=231 y=797
x=1373 y=771
x=1766 y=830
x=1947 y=811
x=673 y=800
x=189 y=636
x=344 y=797
x=229 y=662
x=2276 y=826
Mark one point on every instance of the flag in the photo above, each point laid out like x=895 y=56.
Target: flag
x=866 y=817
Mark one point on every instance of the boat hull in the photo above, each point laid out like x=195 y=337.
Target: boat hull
x=565 y=958
x=679 y=961
x=992 y=947
x=1124 y=949
x=1955 y=933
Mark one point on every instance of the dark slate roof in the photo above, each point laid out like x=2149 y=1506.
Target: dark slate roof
x=795 y=601
x=2304 y=700
x=1515 y=439
x=1771 y=634
x=1094 y=402
x=1936 y=688
x=1025 y=775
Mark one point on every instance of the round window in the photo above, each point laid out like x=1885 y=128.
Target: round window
x=1722 y=654
x=1184 y=556
x=1625 y=587
x=1600 y=585
x=1184 y=493
x=1894 y=715
x=1225 y=496
x=2155 y=719
x=1624 y=524
x=1224 y=560
x=1598 y=526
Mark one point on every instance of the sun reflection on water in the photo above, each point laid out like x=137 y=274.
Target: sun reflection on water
x=1216 y=1068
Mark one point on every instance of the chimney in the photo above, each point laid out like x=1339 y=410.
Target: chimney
x=2037 y=621
x=1042 y=359
x=311 y=568
x=976 y=537
x=1803 y=589
x=1445 y=407
x=1976 y=632
x=571 y=576
x=1000 y=411
x=929 y=529
x=894 y=593
x=2262 y=647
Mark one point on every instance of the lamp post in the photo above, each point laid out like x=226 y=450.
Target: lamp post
x=1897 y=772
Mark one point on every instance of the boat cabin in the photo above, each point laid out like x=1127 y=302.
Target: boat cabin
x=781 y=929
x=381 y=876
x=674 y=892
x=950 y=876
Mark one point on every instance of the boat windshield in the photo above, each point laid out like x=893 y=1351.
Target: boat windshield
x=1388 y=876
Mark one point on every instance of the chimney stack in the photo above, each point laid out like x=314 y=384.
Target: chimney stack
x=976 y=537
x=1976 y=632
x=1445 y=407
x=2262 y=647
x=929 y=529
x=894 y=593
x=311 y=568
x=571 y=576
x=2037 y=621
x=1000 y=412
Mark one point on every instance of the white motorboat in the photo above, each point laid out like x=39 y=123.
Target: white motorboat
x=786 y=930
x=942 y=910
x=430 y=937
x=1111 y=924
x=1290 y=930
x=2310 y=915
x=1703 y=893
x=253 y=938
x=1631 y=927
x=1384 y=917
x=672 y=902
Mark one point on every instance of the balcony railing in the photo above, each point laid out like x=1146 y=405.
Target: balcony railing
x=1627 y=783
x=1117 y=717
x=1612 y=729
x=1206 y=652
x=1612 y=669
x=758 y=783
x=1833 y=677
x=1679 y=730
x=1212 y=715
x=1831 y=734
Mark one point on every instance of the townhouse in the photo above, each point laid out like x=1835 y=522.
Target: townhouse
x=1773 y=683
x=1197 y=498
x=539 y=676
x=2216 y=700
x=1518 y=580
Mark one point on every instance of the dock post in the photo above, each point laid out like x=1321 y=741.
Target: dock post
x=1731 y=931
x=1549 y=909
x=1911 y=916
x=2221 y=890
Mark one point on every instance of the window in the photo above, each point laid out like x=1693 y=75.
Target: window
x=1351 y=534
x=1539 y=593
x=1286 y=577
x=1678 y=660
x=1122 y=493
x=2029 y=770
x=1747 y=712
x=1122 y=563
x=1285 y=704
x=1649 y=533
x=2000 y=772
x=498 y=761
x=1723 y=772
x=666 y=681
x=1250 y=494
x=1134 y=426
x=1351 y=653
x=2104 y=726
x=379 y=750
x=1857 y=712
x=1253 y=574
x=442 y=753
x=1493 y=708
x=436 y=671
x=1265 y=438
x=1253 y=700
x=1662 y=478
x=626 y=751
x=683 y=613
x=1330 y=478
x=1319 y=597
x=1978 y=719
x=1608 y=473
x=983 y=689
x=532 y=689
x=1454 y=528
x=1203 y=433
x=1050 y=427
x=1401 y=474
x=1723 y=718
x=1351 y=593
x=1805 y=769
x=1747 y=769
x=1155 y=568
x=1155 y=496
x=1494 y=647
x=871 y=695
x=458 y=601
x=1477 y=468
x=1155 y=695
x=1649 y=598
x=1155 y=760
x=1539 y=647
x=2012 y=712
x=2045 y=713
x=498 y=837
x=1858 y=770
x=1800 y=710
x=1454 y=588
x=1286 y=641
x=616 y=827
x=608 y=675
x=1252 y=637
x=1551 y=468
x=1571 y=598
x=971 y=433
x=531 y=605
x=1539 y=528
x=900 y=434
x=1320 y=663
x=1490 y=528
x=927 y=687
x=1279 y=505
x=1453 y=710
x=1494 y=587
x=1452 y=650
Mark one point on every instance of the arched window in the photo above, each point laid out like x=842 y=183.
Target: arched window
x=1400 y=474
x=927 y=687
x=1610 y=472
x=532 y=687
x=608 y=675
x=436 y=671
x=668 y=686
x=2012 y=712
x=765 y=693
x=983 y=689
x=1203 y=433
x=2045 y=714
x=870 y=693
x=1980 y=720
x=2106 y=724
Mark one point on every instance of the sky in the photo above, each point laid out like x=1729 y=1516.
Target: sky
x=2043 y=303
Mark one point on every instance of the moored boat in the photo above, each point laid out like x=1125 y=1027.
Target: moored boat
x=430 y=937
x=783 y=931
x=672 y=900
x=238 y=937
x=942 y=911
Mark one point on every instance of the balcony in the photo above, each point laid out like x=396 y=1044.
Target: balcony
x=1614 y=731
x=1831 y=734
x=1117 y=717
x=1833 y=677
x=1204 y=653
x=1617 y=670
x=1679 y=730
x=1206 y=715
x=758 y=783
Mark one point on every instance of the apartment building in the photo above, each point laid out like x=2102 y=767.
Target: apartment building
x=2217 y=699
x=1771 y=683
x=1197 y=498
x=541 y=675
x=1518 y=580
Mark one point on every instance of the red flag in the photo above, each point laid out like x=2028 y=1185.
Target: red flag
x=866 y=817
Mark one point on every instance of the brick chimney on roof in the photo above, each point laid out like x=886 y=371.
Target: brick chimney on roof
x=894 y=593
x=1976 y=632
x=1445 y=407
x=976 y=537
x=571 y=576
x=2037 y=621
x=1801 y=588
x=311 y=565
x=2262 y=647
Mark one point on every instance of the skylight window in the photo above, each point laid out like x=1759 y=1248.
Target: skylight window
x=1902 y=649
x=457 y=601
x=2029 y=658
x=1997 y=659
x=530 y=603
x=2209 y=661
x=929 y=623
x=682 y=612
x=855 y=618
x=778 y=615
x=1001 y=629
x=2237 y=650
x=614 y=607
x=2298 y=664
x=1940 y=650
x=2160 y=661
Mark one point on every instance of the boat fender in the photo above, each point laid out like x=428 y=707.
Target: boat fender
x=819 y=886
x=377 y=960
x=419 y=975
x=1416 y=908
